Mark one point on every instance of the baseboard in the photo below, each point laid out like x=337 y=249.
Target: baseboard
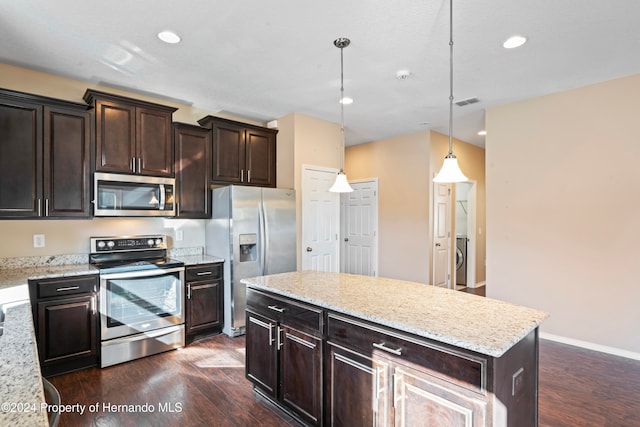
x=480 y=284
x=591 y=346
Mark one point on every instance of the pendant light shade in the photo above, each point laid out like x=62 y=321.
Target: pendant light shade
x=341 y=185
x=450 y=171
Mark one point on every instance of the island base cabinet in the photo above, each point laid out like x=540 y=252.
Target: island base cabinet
x=261 y=353
x=351 y=378
x=301 y=372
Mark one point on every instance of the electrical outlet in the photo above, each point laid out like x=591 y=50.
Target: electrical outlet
x=179 y=235
x=38 y=240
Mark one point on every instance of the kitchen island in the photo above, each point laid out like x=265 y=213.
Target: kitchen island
x=339 y=349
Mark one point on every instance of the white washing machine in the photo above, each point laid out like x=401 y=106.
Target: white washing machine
x=461 y=260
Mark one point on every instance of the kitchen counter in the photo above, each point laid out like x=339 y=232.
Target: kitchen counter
x=483 y=325
x=198 y=259
x=20 y=377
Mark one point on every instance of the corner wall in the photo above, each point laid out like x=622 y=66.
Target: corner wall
x=563 y=214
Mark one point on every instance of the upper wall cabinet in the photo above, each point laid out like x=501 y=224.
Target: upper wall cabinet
x=193 y=163
x=132 y=136
x=44 y=157
x=241 y=153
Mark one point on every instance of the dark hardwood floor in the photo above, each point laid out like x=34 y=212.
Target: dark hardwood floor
x=204 y=385
x=481 y=291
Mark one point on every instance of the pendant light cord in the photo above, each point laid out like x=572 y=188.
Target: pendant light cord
x=450 y=78
x=342 y=109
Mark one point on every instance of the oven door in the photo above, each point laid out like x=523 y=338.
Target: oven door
x=142 y=300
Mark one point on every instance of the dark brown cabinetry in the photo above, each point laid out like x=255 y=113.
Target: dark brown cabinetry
x=284 y=353
x=376 y=375
x=193 y=163
x=44 y=157
x=241 y=153
x=204 y=299
x=132 y=136
x=66 y=322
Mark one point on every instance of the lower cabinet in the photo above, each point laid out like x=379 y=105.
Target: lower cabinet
x=66 y=323
x=204 y=310
x=284 y=354
x=358 y=373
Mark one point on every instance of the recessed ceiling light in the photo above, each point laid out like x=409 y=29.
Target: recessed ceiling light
x=482 y=133
x=169 y=37
x=514 y=41
x=403 y=74
x=346 y=100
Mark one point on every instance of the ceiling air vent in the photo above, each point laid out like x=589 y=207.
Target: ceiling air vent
x=467 y=101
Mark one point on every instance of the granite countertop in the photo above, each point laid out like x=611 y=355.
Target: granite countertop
x=20 y=376
x=198 y=259
x=483 y=325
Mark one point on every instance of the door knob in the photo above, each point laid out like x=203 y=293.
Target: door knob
x=437 y=245
x=309 y=249
x=346 y=239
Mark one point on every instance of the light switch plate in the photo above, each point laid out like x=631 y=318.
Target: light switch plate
x=38 y=240
x=179 y=235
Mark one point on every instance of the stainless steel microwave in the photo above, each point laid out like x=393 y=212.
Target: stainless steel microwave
x=133 y=195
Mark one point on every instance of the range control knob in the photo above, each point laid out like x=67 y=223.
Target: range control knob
x=111 y=243
x=158 y=242
x=101 y=244
x=150 y=242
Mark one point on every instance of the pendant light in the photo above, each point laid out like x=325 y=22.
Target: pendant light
x=341 y=185
x=450 y=171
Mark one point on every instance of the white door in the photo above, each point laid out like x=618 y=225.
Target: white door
x=360 y=229
x=320 y=220
x=441 y=234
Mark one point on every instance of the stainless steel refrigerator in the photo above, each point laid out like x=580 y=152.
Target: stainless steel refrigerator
x=254 y=230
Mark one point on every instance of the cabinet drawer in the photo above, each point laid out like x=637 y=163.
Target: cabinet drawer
x=466 y=369
x=67 y=286
x=285 y=310
x=203 y=272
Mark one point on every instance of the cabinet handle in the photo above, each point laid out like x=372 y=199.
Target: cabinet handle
x=241 y=175
x=38 y=207
x=276 y=308
x=139 y=164
x=381 y=346
x=249 y=175
x=68 y=288
x=93 y=305
x=189 y=291
x=46 y=207
x=133 y=164
x=397 y=394
x=204 y=273
x=271 y=338
x=280 y=340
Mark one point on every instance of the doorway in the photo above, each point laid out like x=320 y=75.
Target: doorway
x=464 y=271
x=359 y=219
x=320 y=220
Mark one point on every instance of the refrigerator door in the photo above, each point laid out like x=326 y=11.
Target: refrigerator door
x=279 y=230
x=245 y=250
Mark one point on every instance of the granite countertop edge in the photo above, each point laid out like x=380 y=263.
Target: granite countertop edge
x=493 y=348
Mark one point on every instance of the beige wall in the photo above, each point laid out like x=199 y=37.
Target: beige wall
x=471 y=160
x=402 y=166
x=308 y=141
x=563 y=213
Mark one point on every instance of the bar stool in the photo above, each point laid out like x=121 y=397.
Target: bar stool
x=52 y=397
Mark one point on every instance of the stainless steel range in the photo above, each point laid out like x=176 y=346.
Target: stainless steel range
x=141 y=297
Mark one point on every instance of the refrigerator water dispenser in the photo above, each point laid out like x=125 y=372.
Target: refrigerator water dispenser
x=248 y=247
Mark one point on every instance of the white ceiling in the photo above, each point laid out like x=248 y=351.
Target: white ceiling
x=265 y=59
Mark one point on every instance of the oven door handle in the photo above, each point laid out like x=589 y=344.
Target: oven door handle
x=142 y=273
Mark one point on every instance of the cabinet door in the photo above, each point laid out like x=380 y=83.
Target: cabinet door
x=67 y=138
x=228 y=154
x=261 y=353
x=154 y=154
x=192 y=171
x=358 y=391
x=20 y=159
x=67 y=328
x=301 y=373
x=260 y=158
x=421 y=399
x=203 y=306
x=115 y=137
